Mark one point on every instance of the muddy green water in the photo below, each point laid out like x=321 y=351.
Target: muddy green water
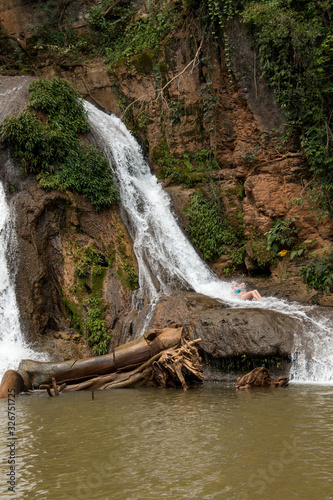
x=208 y=443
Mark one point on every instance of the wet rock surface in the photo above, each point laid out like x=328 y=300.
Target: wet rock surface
x=227 y=332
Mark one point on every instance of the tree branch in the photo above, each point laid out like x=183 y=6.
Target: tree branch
x=107 y=12
x=193 y=62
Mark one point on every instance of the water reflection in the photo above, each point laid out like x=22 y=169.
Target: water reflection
x=207 y=443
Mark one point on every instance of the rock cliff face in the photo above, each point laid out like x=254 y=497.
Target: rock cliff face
x=181 y=100
x=205 y=109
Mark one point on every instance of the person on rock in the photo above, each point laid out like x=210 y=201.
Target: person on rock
x=239 y=289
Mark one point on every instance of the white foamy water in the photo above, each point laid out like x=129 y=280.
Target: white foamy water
x=167 y=260
x=13 y=347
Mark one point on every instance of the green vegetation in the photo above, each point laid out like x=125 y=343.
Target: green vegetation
x=94 y=326
x=47 y=143
x=208 y=229
x=88 y=261
x=87 y=313
x=187 y=169
x=146 y=33
x=13 y=58
x=127 y=273
x=282 y=235
x=261 y=254
x=319 y=273
x=131 y=281
x=47 y=31
x=294 y=40
x=73 y=313
x=116 y=35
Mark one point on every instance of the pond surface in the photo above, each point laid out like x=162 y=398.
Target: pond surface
x=207 y=443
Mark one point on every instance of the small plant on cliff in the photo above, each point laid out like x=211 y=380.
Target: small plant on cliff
x=282 y=235
x=139 y=33
x=209 y=229
x=319 y=273
x=127 y=274
x=94 y=326
x=88 y=261
x=45 y=140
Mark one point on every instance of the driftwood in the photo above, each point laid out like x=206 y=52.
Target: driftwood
x=260 y=377
x=159 y=358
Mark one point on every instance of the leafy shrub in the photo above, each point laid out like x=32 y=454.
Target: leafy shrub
x=184 y=169
x=48 y=143
x=61 y=102
x=281 y=235
x=142 y=34
x=94 y=326
x=319 y=273
x=261 y=257
x=104 y=31
x=88 y=261
x=208 y=230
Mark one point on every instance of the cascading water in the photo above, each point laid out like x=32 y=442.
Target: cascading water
x=165 y=257
x=13 y=348
x=167 y=260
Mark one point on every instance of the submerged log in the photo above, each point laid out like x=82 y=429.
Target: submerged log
x=260 y=377
x=160 y=358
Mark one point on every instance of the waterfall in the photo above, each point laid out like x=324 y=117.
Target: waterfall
x=167 y=260
x=13 y=347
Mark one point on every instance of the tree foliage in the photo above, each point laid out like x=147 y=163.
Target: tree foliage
x=48 y=143
x=294 y=39
x=208 y=230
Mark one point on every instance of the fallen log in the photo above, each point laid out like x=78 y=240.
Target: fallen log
x=160 y=357
x=126 y=356
x=177 y=366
